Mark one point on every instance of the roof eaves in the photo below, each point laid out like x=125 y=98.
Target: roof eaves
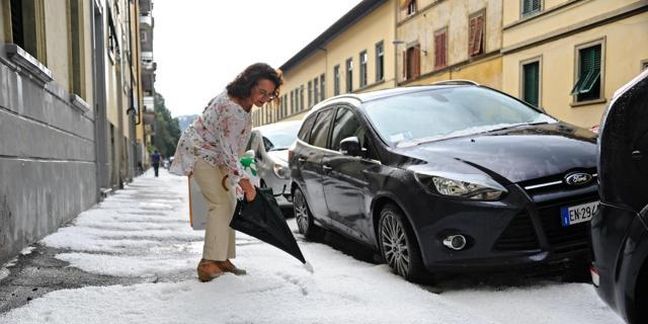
x=359 y=11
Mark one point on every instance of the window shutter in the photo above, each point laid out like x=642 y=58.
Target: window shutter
x=404 y=65
x=473 y=36
x=479 y=47
x=531 y=83
x=417 y=62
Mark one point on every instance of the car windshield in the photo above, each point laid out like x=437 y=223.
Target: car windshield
x=414 y=118
x=279 y=138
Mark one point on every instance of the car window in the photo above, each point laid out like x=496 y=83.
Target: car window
x=306 y=128
x=321 y=128
x=446 y=112
x=279 y=136
x=345 y=124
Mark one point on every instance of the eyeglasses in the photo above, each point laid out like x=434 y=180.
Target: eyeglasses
x=265 y=94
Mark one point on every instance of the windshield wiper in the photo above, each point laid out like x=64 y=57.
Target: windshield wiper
x=515 y=126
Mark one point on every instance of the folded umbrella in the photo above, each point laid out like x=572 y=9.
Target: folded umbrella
x=262 y=219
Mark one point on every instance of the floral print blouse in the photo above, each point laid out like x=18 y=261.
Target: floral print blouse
x=219 y=137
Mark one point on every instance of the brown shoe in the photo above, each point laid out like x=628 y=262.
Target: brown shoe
x=208 y=270
x=228 y=266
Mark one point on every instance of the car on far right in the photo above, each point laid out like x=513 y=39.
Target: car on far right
x=620 y=228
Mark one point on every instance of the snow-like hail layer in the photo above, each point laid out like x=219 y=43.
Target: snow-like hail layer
x=143 y=231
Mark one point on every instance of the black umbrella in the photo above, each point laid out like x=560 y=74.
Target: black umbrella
x=262 y=218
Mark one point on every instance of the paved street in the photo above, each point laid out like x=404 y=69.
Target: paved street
x=132 y=259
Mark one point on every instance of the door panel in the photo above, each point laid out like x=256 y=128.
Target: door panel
x=345 y=178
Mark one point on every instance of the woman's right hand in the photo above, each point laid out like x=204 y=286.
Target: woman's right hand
x=248 y=189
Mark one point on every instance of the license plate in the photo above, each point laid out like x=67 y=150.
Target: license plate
x=578 y=214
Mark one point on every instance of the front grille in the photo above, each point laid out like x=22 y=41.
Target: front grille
x=519 y=235
x=564 y=239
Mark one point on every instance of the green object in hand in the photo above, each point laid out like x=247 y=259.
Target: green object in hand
x=249 y=164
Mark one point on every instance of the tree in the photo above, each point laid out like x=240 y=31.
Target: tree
x=167 y=129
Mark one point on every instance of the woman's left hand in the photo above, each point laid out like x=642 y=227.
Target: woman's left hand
x=248 y=189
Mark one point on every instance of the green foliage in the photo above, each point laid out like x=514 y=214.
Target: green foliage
x=167 y=129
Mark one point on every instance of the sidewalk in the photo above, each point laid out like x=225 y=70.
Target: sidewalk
x=132 y=259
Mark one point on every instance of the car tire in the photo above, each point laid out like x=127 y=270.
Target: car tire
x=398 y=245
x=304 y=217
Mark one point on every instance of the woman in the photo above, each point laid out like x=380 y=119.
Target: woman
x=210 y=149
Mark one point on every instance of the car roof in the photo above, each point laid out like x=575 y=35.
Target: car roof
x=384 y=93
x=368 y=96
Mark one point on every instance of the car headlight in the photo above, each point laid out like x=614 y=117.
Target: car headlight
x=281 y=171
x=476 y=187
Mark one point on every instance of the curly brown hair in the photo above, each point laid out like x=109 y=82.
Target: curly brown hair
x=242 y=85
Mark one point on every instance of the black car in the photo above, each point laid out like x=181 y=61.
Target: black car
x=620 y=229
x=445 y=178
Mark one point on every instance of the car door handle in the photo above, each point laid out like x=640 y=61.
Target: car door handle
x=301 y=159
x=326 y=168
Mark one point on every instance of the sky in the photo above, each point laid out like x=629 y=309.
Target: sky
x=142 y=233
x=201 y=45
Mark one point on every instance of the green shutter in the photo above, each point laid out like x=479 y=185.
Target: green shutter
x=589 y=79
x=530 y=6
x=531 y=87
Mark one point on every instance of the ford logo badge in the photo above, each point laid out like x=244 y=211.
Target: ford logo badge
x=578 y=178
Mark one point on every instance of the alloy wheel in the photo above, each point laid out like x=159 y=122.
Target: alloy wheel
x=394 y=243
x=301 y=212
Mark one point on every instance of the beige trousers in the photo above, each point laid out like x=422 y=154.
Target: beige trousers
x=220 y=241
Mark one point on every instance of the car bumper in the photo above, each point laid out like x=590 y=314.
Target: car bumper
x=520 y=230
x=609 y=235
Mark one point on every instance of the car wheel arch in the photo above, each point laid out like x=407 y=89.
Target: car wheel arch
x=379 y=202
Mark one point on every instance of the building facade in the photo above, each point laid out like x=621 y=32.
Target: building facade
x=355 y=54
x=70 y=123
x=565 y=56
x=569 y=56
x=442 y=40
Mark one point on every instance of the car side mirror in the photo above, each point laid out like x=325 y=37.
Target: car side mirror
x=351 y=146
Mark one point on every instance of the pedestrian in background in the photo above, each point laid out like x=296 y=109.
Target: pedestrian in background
x=210 y=149
x=155 y=161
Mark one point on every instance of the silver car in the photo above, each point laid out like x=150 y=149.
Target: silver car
x=270 y=145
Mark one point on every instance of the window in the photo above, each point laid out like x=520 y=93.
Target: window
x=285 y=104
x=411 y=7
x=305 y=130
x=349 y=75
x=319 y=135
x=363 y=69
x=28 y=28
x=292 y=102
x=322 y=87
x=301 y=97
x=531 y=83
x=411 y=65
x=113 y=42
x=380 y=61
x=316 y=90
x=77 y=62
x=530 y=7
x=336 y=80
x=440 y=48
x=310 y=94
x=345 y=125
x=588 y=84
x=476 y=39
